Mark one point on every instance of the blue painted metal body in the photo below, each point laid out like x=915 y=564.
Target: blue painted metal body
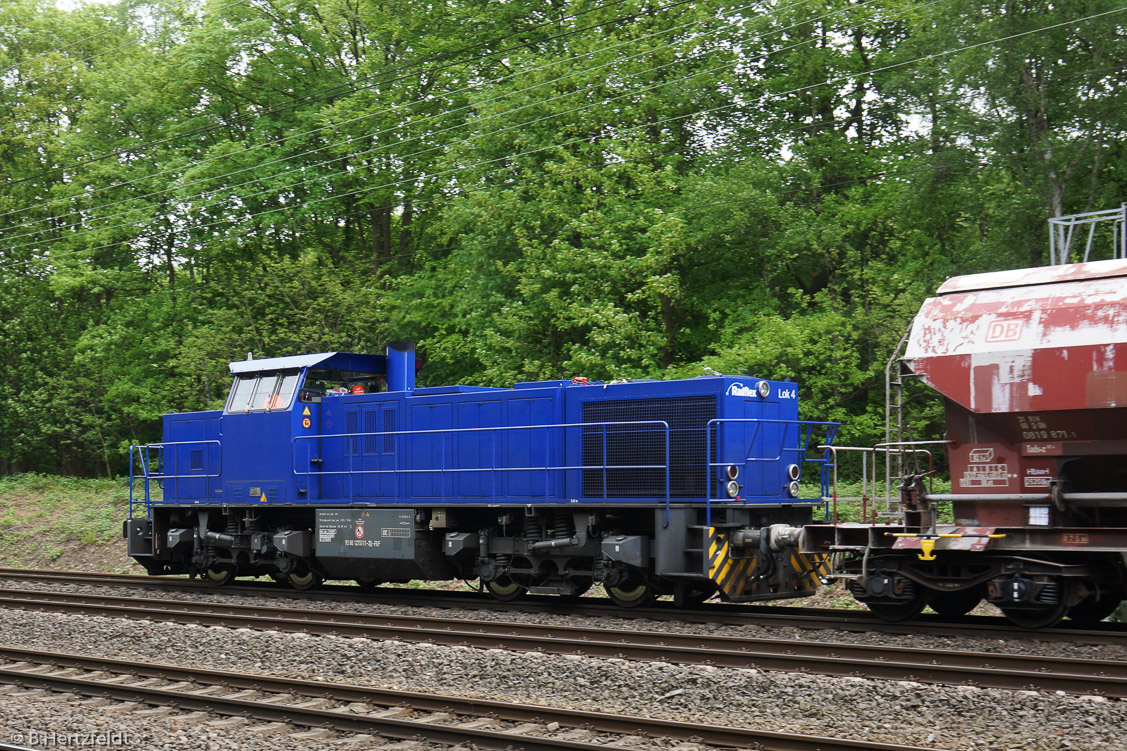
x=283 y=440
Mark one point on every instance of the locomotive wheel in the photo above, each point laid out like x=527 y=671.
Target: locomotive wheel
x=305 y=580
x=897 y=611
x=368 y=583
x=1091 y=612
x=505 y=589
x=631 y=594
x=959 y=602
x=219 y=574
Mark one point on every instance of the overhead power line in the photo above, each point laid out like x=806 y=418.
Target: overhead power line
x=88 y=58
x=415 y=124
x=367 y=116
x=831 y=81
x=366 y=82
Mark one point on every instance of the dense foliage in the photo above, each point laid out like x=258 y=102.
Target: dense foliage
x=527 y=189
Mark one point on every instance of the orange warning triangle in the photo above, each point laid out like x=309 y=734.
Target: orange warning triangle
x=305 y=412
x=262 y=499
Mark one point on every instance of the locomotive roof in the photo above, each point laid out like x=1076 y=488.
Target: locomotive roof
x=1042 y=275
x=341 y=360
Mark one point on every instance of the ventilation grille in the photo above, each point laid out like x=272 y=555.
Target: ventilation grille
x=687 y=417
x=372 y=425
x=352 y=427
x=389 y=427
x=196 y=460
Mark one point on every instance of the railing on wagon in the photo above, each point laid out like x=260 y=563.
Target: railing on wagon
x=870 y=485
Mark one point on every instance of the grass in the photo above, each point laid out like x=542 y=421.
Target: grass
x=63 y=522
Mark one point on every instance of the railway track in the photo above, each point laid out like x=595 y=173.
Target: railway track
x=718 y=613
x=395 y=715
x=1070 y=675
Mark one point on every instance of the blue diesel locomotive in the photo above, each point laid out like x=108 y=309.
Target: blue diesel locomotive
x=336 y=466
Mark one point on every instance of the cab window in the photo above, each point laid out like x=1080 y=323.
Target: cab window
x=263 y=392
x=241 y=393
x=286 y=390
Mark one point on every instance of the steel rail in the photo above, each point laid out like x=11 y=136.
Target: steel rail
x=715 y=735
x=1005 y=671
x=715 y=613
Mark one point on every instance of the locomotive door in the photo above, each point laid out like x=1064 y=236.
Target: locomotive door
x=476 y=451
x=376 y=455
x=535 y=449
x=427 y=451
x=307 y=452
x=761 y=447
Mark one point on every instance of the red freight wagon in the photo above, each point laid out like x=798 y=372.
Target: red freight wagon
x=1032 y=366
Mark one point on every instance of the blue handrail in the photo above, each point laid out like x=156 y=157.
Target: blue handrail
x=151 y=469
x=445 y=433
x=806 y=430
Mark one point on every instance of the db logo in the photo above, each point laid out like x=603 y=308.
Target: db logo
x=1005 y=331
x=359 y=531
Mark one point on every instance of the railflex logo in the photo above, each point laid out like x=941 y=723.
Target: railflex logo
x=738 y=389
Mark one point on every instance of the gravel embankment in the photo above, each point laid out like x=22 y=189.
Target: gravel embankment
x=1028 y=645
x=942 y=717
x=44 y=720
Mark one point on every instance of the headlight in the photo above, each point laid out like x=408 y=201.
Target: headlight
x=763 y=388
x=793 y=472
x=793 y=489
x=733 y=472
x=733 y=488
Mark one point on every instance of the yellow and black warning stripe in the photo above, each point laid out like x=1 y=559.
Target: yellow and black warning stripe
x=731 y=575
x=810 y=567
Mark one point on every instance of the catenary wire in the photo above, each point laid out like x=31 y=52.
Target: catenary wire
x=574 y=141
x=797 y=90
x=462 y=191
x=304 y=167
x=870 y=178
x=365 y=83
x=130 y=43
x=389 y=110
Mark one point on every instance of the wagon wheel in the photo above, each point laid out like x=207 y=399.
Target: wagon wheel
x=1042 y=617
x=1091 y=612
x=897 y=611
x=958 y=602
x=505 y=589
